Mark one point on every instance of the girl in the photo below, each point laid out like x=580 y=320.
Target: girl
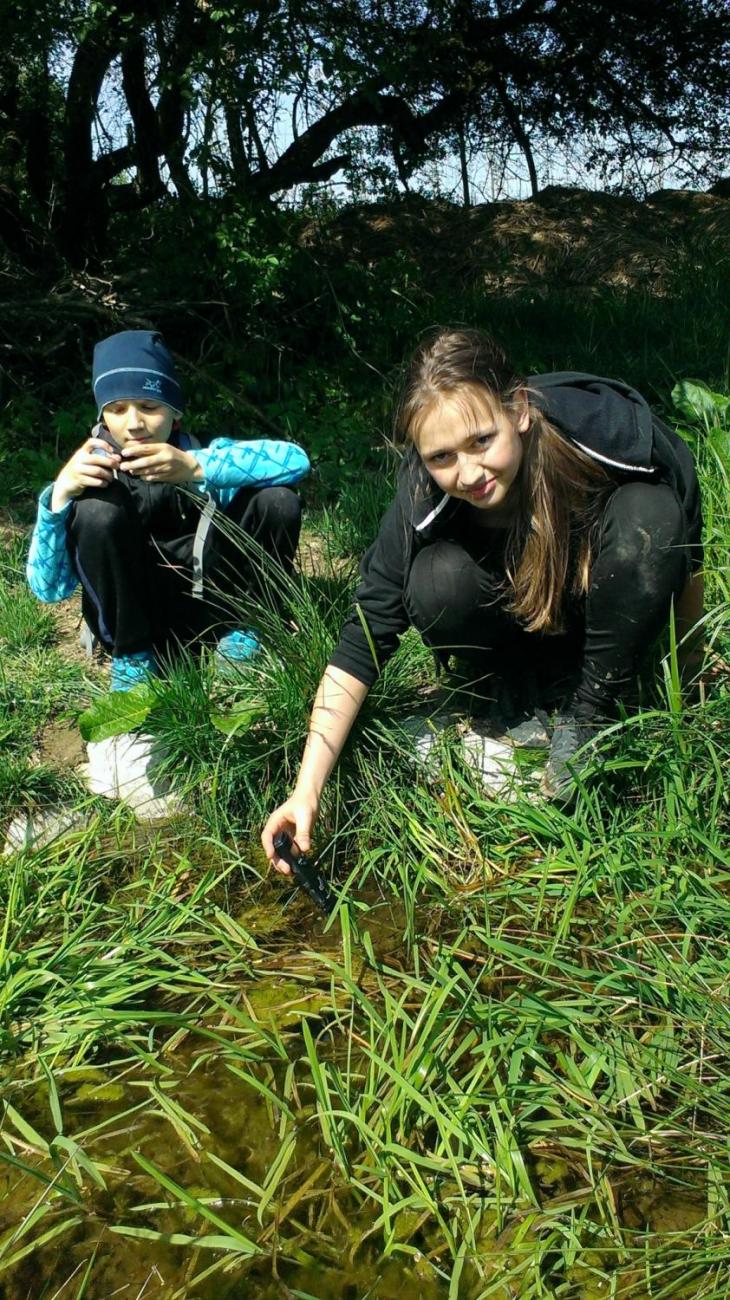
x=129 y=517
x=541 y=528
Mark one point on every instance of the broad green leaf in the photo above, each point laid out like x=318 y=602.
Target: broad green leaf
x=698 y=403
x=239 y=718
x=116 y=713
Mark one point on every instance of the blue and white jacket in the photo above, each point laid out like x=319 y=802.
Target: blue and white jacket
x=228 y=465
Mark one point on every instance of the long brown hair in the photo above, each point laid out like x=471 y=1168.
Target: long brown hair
x=561 y=491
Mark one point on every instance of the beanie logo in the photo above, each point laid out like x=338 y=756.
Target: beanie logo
x=152 y=386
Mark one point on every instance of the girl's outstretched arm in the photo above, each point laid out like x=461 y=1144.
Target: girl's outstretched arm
x=337 y=704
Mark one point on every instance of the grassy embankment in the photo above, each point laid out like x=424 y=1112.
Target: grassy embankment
x=501 y=1073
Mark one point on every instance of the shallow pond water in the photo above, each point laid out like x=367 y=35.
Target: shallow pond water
x=223 y=1118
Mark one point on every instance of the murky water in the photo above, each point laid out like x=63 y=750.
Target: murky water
x=190 y=1111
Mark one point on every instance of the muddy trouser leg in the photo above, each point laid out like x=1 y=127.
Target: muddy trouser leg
x=109 y=549
x=642 y=562
x=253 y=551
x=459 y=607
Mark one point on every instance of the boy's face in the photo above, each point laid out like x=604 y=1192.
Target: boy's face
x=138 y=420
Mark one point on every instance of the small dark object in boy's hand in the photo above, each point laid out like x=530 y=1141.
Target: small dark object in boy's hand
x=305 y=873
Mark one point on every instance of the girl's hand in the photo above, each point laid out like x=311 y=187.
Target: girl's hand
x=339 y=697
x=159 y=462
x=297 y=816
x=90 y=467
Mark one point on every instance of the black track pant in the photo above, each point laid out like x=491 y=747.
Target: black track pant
x=641 y=563
x=136 y=593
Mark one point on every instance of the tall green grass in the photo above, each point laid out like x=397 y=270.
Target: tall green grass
x=500 y=1071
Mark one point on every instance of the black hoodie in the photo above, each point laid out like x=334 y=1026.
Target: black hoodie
x=609 y=421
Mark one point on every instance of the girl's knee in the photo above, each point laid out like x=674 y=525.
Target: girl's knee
x=636 y=511
x=443 y=589
x=643 y=538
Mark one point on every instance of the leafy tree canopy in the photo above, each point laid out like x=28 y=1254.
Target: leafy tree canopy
x=112 y=105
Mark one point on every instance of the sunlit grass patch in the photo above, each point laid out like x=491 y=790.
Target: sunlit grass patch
x=500 y=1071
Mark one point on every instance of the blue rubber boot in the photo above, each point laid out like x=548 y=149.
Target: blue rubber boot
x=132 y=670
x=236 y=648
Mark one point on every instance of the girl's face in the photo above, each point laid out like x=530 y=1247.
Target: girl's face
x=137 y=420
x=473 y=450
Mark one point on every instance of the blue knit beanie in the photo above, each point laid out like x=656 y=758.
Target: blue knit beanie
x=135 y=364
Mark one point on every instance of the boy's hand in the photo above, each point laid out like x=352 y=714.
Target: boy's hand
x=158 y=462
x=91 y=466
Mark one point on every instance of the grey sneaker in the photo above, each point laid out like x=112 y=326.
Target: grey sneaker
x=423 y=735
x=530 y=733
x=569 y=757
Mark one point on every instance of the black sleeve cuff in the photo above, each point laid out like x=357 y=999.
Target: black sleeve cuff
x=354 y=654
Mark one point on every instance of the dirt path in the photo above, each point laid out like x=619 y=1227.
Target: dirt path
x=58 y=743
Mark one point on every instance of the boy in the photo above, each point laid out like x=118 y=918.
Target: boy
x=132 y=516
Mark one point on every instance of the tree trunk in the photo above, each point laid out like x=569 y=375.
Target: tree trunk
x=461 y=136
x=518 y=131
x=147 y=146
x=175 y=60
x=236 y=143
x=81 y=224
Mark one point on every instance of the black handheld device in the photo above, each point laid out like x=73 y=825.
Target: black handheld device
x=305 y=873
